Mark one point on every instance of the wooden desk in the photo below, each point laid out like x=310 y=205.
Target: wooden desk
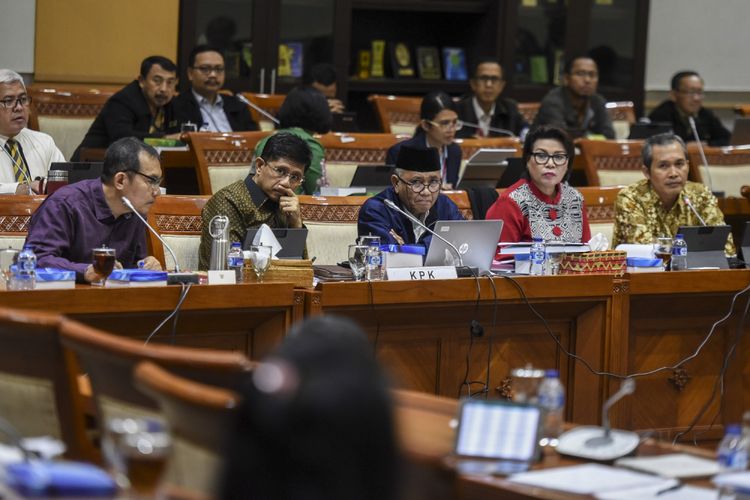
x=619 y=325
x=251 y=318
x=424 y=335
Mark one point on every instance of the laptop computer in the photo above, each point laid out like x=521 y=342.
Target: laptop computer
x=476 y=241
x=642 y=130
x=485 y=168
x=292 y=241
x=706 y=246
x=745 y=245
x=373 y=177
x=741 y=132
x=79 y=170
x=496 y=436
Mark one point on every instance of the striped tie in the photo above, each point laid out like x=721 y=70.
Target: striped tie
x=20 y=169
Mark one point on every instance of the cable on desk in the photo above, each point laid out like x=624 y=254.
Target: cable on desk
x=475 y=329
x=183 y=296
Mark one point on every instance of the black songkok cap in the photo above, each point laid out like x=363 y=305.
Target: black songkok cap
x=418 y=159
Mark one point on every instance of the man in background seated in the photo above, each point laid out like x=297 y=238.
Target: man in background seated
x=416 y=189
x=143 y=108
x=686 y=99
x=485 y=108
x=88 y=214
x=655 y=206
x=576 y=107
x=203 y=105
x=265 y=197
x=27 y=154
x=322 y=77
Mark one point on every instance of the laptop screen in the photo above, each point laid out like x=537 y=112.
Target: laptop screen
x=475 y=240
x=706 y=245
x=498 y=429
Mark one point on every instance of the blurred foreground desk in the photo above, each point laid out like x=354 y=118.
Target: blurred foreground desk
x=622 y=325
x=251 y=318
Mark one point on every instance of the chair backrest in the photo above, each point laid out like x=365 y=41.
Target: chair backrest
x=529 y=110
x=38 y=382
x=178 y=220
x=612 y=163
x=727 y=168
x=66 y=113
x=344 y=152
x=397 y=114
x=472 y=145
x=745 y=191
x=271 y=103
x=15 y=215
x=222 y=158
x=622 y=114
x=200 y=418
x=109 y=360
x=742 y=110
x=600 y=208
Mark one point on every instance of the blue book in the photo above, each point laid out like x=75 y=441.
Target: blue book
x=454 y=63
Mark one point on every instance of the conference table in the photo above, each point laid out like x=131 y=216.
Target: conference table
x=421 y=333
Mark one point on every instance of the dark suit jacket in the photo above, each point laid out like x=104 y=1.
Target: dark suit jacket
x=452 y=164
x=556 y=109
x=506 y=116
x=186 y=109
x=125 y=114
x=710 y=128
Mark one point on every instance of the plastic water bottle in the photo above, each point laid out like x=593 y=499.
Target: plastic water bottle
x=537 y=254
x=236 y=260
x=26 y=269
x=732 y=454
x=679 y=253
x=551 y=397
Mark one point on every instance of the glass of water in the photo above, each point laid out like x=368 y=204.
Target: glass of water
x=358 y=260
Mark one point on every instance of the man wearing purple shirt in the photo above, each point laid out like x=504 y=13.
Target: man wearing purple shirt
x=89 y=214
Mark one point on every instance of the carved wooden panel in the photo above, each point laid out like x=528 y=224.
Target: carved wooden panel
x=179 y=223
x=601 y=213
x=227 y=157
x=360 y=156
x=70 y=109
x=14 y=223
x=330 y=213
x=618 y=162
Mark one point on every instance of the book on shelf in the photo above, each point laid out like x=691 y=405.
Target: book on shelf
x=290 y=59
x=363 y=64
x=401 y=60
x=428 y=63
x=454 y=63
x=378 y=56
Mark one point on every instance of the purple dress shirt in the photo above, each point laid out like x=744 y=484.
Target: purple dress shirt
x=76 y=219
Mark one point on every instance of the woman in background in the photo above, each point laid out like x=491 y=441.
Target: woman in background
x=437 y=129
x=305 y=112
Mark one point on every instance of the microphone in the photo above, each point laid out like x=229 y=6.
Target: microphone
x=692 y=208
x=491 y=129
x=702 y=153
x=601 y=443
x=257 y=108
x=393 y=206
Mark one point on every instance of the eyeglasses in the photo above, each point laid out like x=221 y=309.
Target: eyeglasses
x=207 y=70
x=489 y=79
x=433 y=186
x=541 y=158
x=12 y=102
x=448 y=124
x=583 y=74
x=692 y=93
x=153 y=182
x=281 y=172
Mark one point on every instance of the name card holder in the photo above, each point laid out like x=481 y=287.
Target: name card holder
x=422 y=273
x=228 y=277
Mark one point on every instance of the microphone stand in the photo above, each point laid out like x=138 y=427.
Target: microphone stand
x=393 y=206
x=702 y=153
x=491 y=129
x=257 y=108
x=692 y=208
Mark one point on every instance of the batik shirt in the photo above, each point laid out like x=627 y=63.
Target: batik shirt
x=640 y=216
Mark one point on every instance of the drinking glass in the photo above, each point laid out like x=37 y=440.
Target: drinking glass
x=188 y=127
x=104 y=263
x=137 y=451
x=374 y=256
x=358 y=260
x=260 y=259
x=663 y=250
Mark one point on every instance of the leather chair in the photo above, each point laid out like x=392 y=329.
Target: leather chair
x=397 y=114
x=270 y=103
x=611 y=163
x=727 y=168
x=178 y=220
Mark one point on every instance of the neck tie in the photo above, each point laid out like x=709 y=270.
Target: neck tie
x=20 y=169
x=158 y=124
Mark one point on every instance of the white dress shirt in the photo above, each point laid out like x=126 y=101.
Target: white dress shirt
x=214 y=117
x=40 y=151
x=483 y=119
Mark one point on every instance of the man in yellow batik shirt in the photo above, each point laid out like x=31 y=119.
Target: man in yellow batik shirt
x=655 y=206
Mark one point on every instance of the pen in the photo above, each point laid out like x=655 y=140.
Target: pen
x=670 y=489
